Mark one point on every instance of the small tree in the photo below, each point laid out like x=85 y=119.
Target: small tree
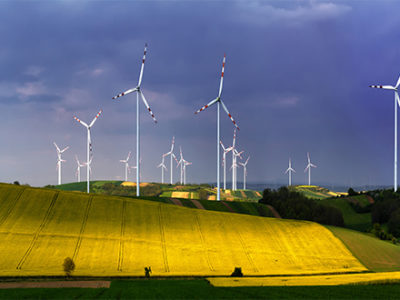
x=352 y=192
x=69 y=266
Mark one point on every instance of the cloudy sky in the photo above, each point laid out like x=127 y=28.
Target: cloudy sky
x=296 y=81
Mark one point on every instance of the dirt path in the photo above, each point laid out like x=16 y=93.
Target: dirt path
x=227 y=206
x=274 y=212
x=177 y=202
x=197 y=204
x=55 y=284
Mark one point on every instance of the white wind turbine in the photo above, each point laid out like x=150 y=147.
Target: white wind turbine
x=219 y=101
x=234 y=167
x=139 y=92
x=309 y=166
x=78 y=169
x=226 y=150
x=172 y=155
x=125 y=161
x=59 y=160
x=163 y=167
x=245 y=171
x=396 y=102
x=89 y=146
x=181 y=163
x=185 y=163
x=290 y=170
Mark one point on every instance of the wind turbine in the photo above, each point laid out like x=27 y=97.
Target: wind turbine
x=162 y=166
x=89 y=146
x=185 y=163
x=219 y=101
x=139 y=93
x=235 y=154
x=226 y=150
x=244 y=171
x=59 y=160
x=125 y=161
x=181 y=163
x=309 y=166
x=290 y=170
x=78 y=169
x=396 y=99
x=172 y=155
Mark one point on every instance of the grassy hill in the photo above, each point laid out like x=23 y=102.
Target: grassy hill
x=117 y=236
x=315 y=192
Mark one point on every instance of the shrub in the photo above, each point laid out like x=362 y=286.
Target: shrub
x=352 y=192
x=237 y=272
x=69 y=266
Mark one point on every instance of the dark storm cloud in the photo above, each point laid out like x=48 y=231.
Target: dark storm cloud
x=296 y=80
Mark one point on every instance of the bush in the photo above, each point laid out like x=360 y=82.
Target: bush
x=203 y=195
x=394 y=223
x=352 y=192
x=69 y=266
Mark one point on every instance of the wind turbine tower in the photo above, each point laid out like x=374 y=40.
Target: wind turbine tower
x=290 y=170
x=396 y=102
x=219 y=101
x=89 y=146
x=226 y=150
x=139 y=92
x=59 y=160
x=172 y=155
x=309 y=166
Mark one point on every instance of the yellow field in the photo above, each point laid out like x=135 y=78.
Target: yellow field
x=130 y=183
x=314 y=280
x=111 y=236
x=184 y=195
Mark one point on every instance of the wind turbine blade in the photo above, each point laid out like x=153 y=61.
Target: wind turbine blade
x=385 y=87
x=305 y=170
x=308 y=157
x=66 y=148
x=58 y=149
x=95 y=118
x=222 y=145
x=314 y=166
x=172 y=145
x=147 y=106
x=205 y=106
x=142 y=68
x=230 y=116
x=222 y=76
x=129 y=155
x=287 y=170
x=126 y=93
x=83 y=123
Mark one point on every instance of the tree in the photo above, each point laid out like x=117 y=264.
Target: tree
x=394 y=223
x=68 y=266
x=352 y=192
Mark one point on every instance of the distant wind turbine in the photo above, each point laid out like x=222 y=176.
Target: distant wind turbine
x=309 y=166
x=172 y=155
x=181 y=163
x=125 y=161
x=396 y=102
x=78 y=169
x=59 y=160
x=89 y=146
x=219 y=101
x=244 y=165
x=185 y=163
x=290 y=170
x=226 y=150
x=163 y=167
x=139 y=93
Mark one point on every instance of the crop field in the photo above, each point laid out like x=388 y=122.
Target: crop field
x=375 y=254
x=314 y=280
x=113 y=236
x=315 y=192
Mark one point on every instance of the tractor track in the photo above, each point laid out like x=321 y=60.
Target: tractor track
x=121 y=241
x=203 y=242
x=84 y=221
x=45 y=220
x=162 y=234
x=11 y=207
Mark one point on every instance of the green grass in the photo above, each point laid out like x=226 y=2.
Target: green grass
x=201 y=289
x=352 y=219
x=375 y=254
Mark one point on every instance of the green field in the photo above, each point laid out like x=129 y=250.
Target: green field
x=201 y=289
x=375 y=254
x=352 y=219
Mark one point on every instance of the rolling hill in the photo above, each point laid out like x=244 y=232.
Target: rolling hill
x=117 y=236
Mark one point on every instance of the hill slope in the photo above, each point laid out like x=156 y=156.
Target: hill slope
x=111 y=236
